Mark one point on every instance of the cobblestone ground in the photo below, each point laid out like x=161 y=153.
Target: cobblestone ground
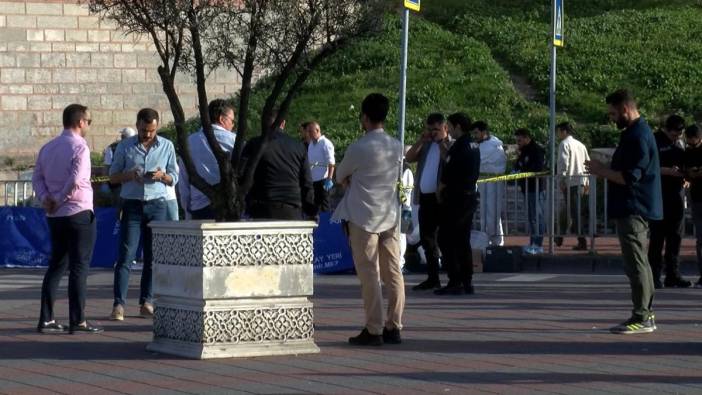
x=529 y=332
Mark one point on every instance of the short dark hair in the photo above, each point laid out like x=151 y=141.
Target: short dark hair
x=305 y=124
x=460 y=119
x=480 y=125
x=566 y=127
x=73 y=114
x=693 y=131
x=522 y=132
x=435 y=117
x=675 y=122
x=217 y=108
x=375 y=106
x=620 y=97
x=269 y=120
x=147 y=115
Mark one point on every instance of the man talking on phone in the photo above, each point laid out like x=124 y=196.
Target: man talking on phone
x=144 y=164
x=430 y=151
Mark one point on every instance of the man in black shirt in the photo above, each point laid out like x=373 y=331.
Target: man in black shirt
x=282 y=185
x=532 y=158
x=634 y=198
x=669 y=229
x=692 y=168
x=457 y=205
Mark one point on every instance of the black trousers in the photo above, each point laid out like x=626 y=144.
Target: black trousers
x=72 y=243
x=321 y=196
x=667 y=231
x=454 y=238
x=428 y=232
x=203 y=213
x=275 y=211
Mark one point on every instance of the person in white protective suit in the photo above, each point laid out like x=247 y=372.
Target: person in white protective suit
x=493 y=162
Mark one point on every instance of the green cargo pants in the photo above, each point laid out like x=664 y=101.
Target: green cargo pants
x=633 y=232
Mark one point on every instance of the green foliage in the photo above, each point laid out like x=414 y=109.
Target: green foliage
x=648 y=46
x=447 y=73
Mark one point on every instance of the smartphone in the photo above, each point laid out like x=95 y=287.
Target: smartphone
x=149 y=174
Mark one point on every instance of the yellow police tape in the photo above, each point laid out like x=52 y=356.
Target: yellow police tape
x=98 y=180
x=508 y=177
x=512 y=177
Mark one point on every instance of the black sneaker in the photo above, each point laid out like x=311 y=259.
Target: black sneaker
x=366 y=339
x=657 y=284
x=51 y=327
x=634 y=326
x=450 y=290
x=426 y=285
x=676 y=282
x=391 y=336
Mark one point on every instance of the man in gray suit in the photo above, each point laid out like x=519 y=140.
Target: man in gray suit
x=369 y=210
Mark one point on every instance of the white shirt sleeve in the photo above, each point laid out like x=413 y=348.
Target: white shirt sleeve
x=329 y=152
x=107 y=156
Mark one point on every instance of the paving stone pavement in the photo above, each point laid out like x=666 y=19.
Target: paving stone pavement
x=522 y=333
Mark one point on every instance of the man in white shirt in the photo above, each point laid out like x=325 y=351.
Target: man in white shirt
x=430 y=153
x=320 y=154
x=573 y=181
x=196 y=204
x=369 y=210
x=493 y=162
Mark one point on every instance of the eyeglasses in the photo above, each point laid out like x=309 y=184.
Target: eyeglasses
x=88 y=121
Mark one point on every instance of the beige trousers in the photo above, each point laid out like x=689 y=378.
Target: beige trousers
x=376 y=257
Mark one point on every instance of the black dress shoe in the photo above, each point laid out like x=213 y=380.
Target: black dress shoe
x=85 y=329
x=53 y=327
x=366 y=339
x=426 y=285
x=676 y=282
x=450 y=290
x=391 y=336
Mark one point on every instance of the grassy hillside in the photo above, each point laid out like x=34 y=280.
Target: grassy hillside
x=447 y=73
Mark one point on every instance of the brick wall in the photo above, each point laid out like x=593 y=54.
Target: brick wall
x=53 y=53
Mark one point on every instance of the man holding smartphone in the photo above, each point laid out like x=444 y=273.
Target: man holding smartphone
x=430 y=153
x=144 y=164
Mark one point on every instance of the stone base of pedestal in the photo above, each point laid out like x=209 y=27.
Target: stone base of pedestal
x=233 y=290
x=211 y=351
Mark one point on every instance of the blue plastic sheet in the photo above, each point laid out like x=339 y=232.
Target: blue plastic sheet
x=24 y=240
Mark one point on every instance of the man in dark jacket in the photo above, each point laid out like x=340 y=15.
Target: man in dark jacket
x=634 y=198
x=693 y=173
x=458 y=201
x=532 y=158
x=669 y=229
x=282 y=185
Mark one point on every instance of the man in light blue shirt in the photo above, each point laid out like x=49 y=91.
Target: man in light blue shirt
x=195 y=203
x=144 y=164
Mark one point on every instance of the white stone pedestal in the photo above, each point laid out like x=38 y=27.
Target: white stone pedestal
x=235 y=289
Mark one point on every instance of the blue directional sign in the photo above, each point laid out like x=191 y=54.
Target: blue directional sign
x=412 y=5
x=558 y=24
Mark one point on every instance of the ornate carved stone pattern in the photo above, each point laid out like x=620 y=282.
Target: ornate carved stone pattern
x=257 y=250
x=235 y=326
x=181 y=250
x=178 y=324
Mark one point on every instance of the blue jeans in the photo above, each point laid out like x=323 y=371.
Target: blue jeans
x=136 y=216
x=172 y=210
x=535 y=214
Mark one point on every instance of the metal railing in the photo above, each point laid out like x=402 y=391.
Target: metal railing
x=580 y=209
x=16 y=193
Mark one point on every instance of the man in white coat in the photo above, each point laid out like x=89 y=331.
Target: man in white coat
x=493 y=162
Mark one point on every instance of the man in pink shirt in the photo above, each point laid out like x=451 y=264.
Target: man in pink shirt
x=61 y=182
